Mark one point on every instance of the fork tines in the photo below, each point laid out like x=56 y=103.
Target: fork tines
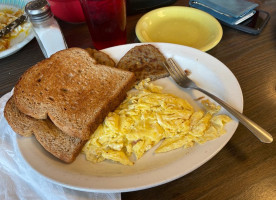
x=175 y=71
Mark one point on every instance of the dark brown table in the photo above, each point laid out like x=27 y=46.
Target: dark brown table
x=245 y=168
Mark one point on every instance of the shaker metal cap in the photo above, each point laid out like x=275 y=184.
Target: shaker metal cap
x=38 y=10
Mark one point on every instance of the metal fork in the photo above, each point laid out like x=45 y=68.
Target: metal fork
x=181 y=79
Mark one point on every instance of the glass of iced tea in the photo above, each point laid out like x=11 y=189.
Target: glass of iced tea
x=106 y=20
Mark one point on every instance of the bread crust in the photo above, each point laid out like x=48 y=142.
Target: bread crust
x=72 y=90
x=59 y=144
x=19 y=124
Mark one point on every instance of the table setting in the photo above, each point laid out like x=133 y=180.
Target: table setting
x=226 y=48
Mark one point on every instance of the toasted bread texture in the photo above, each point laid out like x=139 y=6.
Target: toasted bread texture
x=59 y=144
x=73 y=91
x=101 y=57
x=146 y=61
x=19 y=124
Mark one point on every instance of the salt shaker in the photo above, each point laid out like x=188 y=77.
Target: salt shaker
x=46 y=28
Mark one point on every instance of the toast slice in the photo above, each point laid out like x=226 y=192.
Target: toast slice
x=146 y=61
x=72 y=90
x=101 y=57
x=59 y=144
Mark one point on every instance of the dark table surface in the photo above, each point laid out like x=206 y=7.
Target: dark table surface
x=245 y=168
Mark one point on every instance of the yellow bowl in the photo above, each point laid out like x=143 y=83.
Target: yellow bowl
x=180 y=25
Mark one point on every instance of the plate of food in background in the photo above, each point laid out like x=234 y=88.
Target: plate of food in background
x=21 y=35
x=139 y=160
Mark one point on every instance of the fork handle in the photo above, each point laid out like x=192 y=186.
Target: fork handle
x=258 y=131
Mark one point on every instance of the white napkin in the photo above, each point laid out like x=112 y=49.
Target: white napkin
x=18 y=181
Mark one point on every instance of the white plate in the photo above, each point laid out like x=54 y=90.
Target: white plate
x=152 y=169
x=21 y=40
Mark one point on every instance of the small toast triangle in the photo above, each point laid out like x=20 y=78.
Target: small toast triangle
x=146 y=61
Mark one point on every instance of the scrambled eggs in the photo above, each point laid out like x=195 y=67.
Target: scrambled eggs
x=147 y=117
x=6 y=17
